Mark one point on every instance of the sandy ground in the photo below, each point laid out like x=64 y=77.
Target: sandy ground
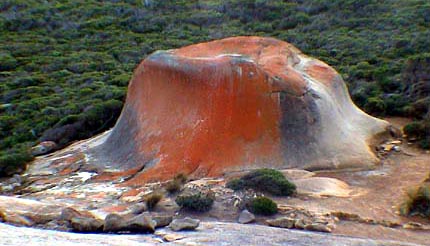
x=377 y=194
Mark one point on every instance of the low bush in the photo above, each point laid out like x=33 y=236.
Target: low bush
x=419 y=130
x=196 y=202
x=417 y=202
x=173 y=186
x=375 y=106
x=262 y=206
x=264 y=180
x=414 y=129
x=236 y=184
x=152 y=200
x=15 y=162
x=176 y=184
x=181 y=178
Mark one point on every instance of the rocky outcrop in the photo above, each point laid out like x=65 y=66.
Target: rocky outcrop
x=236 y=104
x=246 y=217
x=184 y=224
x=139 y=223
x=211 y=233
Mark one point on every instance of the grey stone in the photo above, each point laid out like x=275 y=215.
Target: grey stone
x=139 y=223
x=246 y=217
x=82 y=224
x=113 y=223
x=43 y=148
x=184 y=224
x=138 y=208
x=283 y=222
x=318 y=227
x=162 y=220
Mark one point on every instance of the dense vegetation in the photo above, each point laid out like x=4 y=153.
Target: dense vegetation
x=65 y=65
x=262 y=206
x=198 y=202
x=266 y=180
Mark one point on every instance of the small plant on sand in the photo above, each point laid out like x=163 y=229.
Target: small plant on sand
x=262 y=206
x=153 y=199
x=176 y=183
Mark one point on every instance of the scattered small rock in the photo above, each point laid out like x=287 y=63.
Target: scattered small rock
x=162 y=220
x=318 y=227
x=168 y=237
x=184 y=224
x=246 y=217
x=43 y=148
x=283 y=222
x=414 y=226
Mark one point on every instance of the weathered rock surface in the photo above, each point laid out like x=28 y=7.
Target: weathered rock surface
x=184 y=224
x=322 y=186
x=139 y=223
x=246 y=217
x=82 y=224
x=236 y=104
x=210 y=234
x=43 y=148
x=27 y=212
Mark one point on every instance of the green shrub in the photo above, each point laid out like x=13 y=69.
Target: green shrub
x=262 y=206
x=173 y=186
x=265 y=180
x=7 y=62
x=375 y=106
x=236 y=184
x=425 y=143
x=414 y=129
x=417 y=202
x=152 y=200
x=14 y=162
x=196 y=202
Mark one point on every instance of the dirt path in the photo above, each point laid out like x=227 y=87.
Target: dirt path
x=377 y=194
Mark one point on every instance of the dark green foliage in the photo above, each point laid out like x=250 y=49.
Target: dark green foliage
x=264 y=180
x=262 y=206
x=95 y=119
x=152 y=200
x=417 y=202
x=419 y=130
x=235 y=184
x=375 y=106
x=196 y=202
x=14 y=162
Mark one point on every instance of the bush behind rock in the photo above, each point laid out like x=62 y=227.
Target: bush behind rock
x=196 y=202
x=264 y=180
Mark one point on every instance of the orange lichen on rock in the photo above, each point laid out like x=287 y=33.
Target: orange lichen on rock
x=236 y=104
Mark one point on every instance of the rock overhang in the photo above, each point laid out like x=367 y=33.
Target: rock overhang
x=234 y=104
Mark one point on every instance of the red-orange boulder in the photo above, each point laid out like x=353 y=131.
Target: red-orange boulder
x=237 y=104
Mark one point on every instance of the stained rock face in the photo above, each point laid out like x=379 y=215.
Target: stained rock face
x=236 y=104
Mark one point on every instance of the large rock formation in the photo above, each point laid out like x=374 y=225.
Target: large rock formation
x=237 y=104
